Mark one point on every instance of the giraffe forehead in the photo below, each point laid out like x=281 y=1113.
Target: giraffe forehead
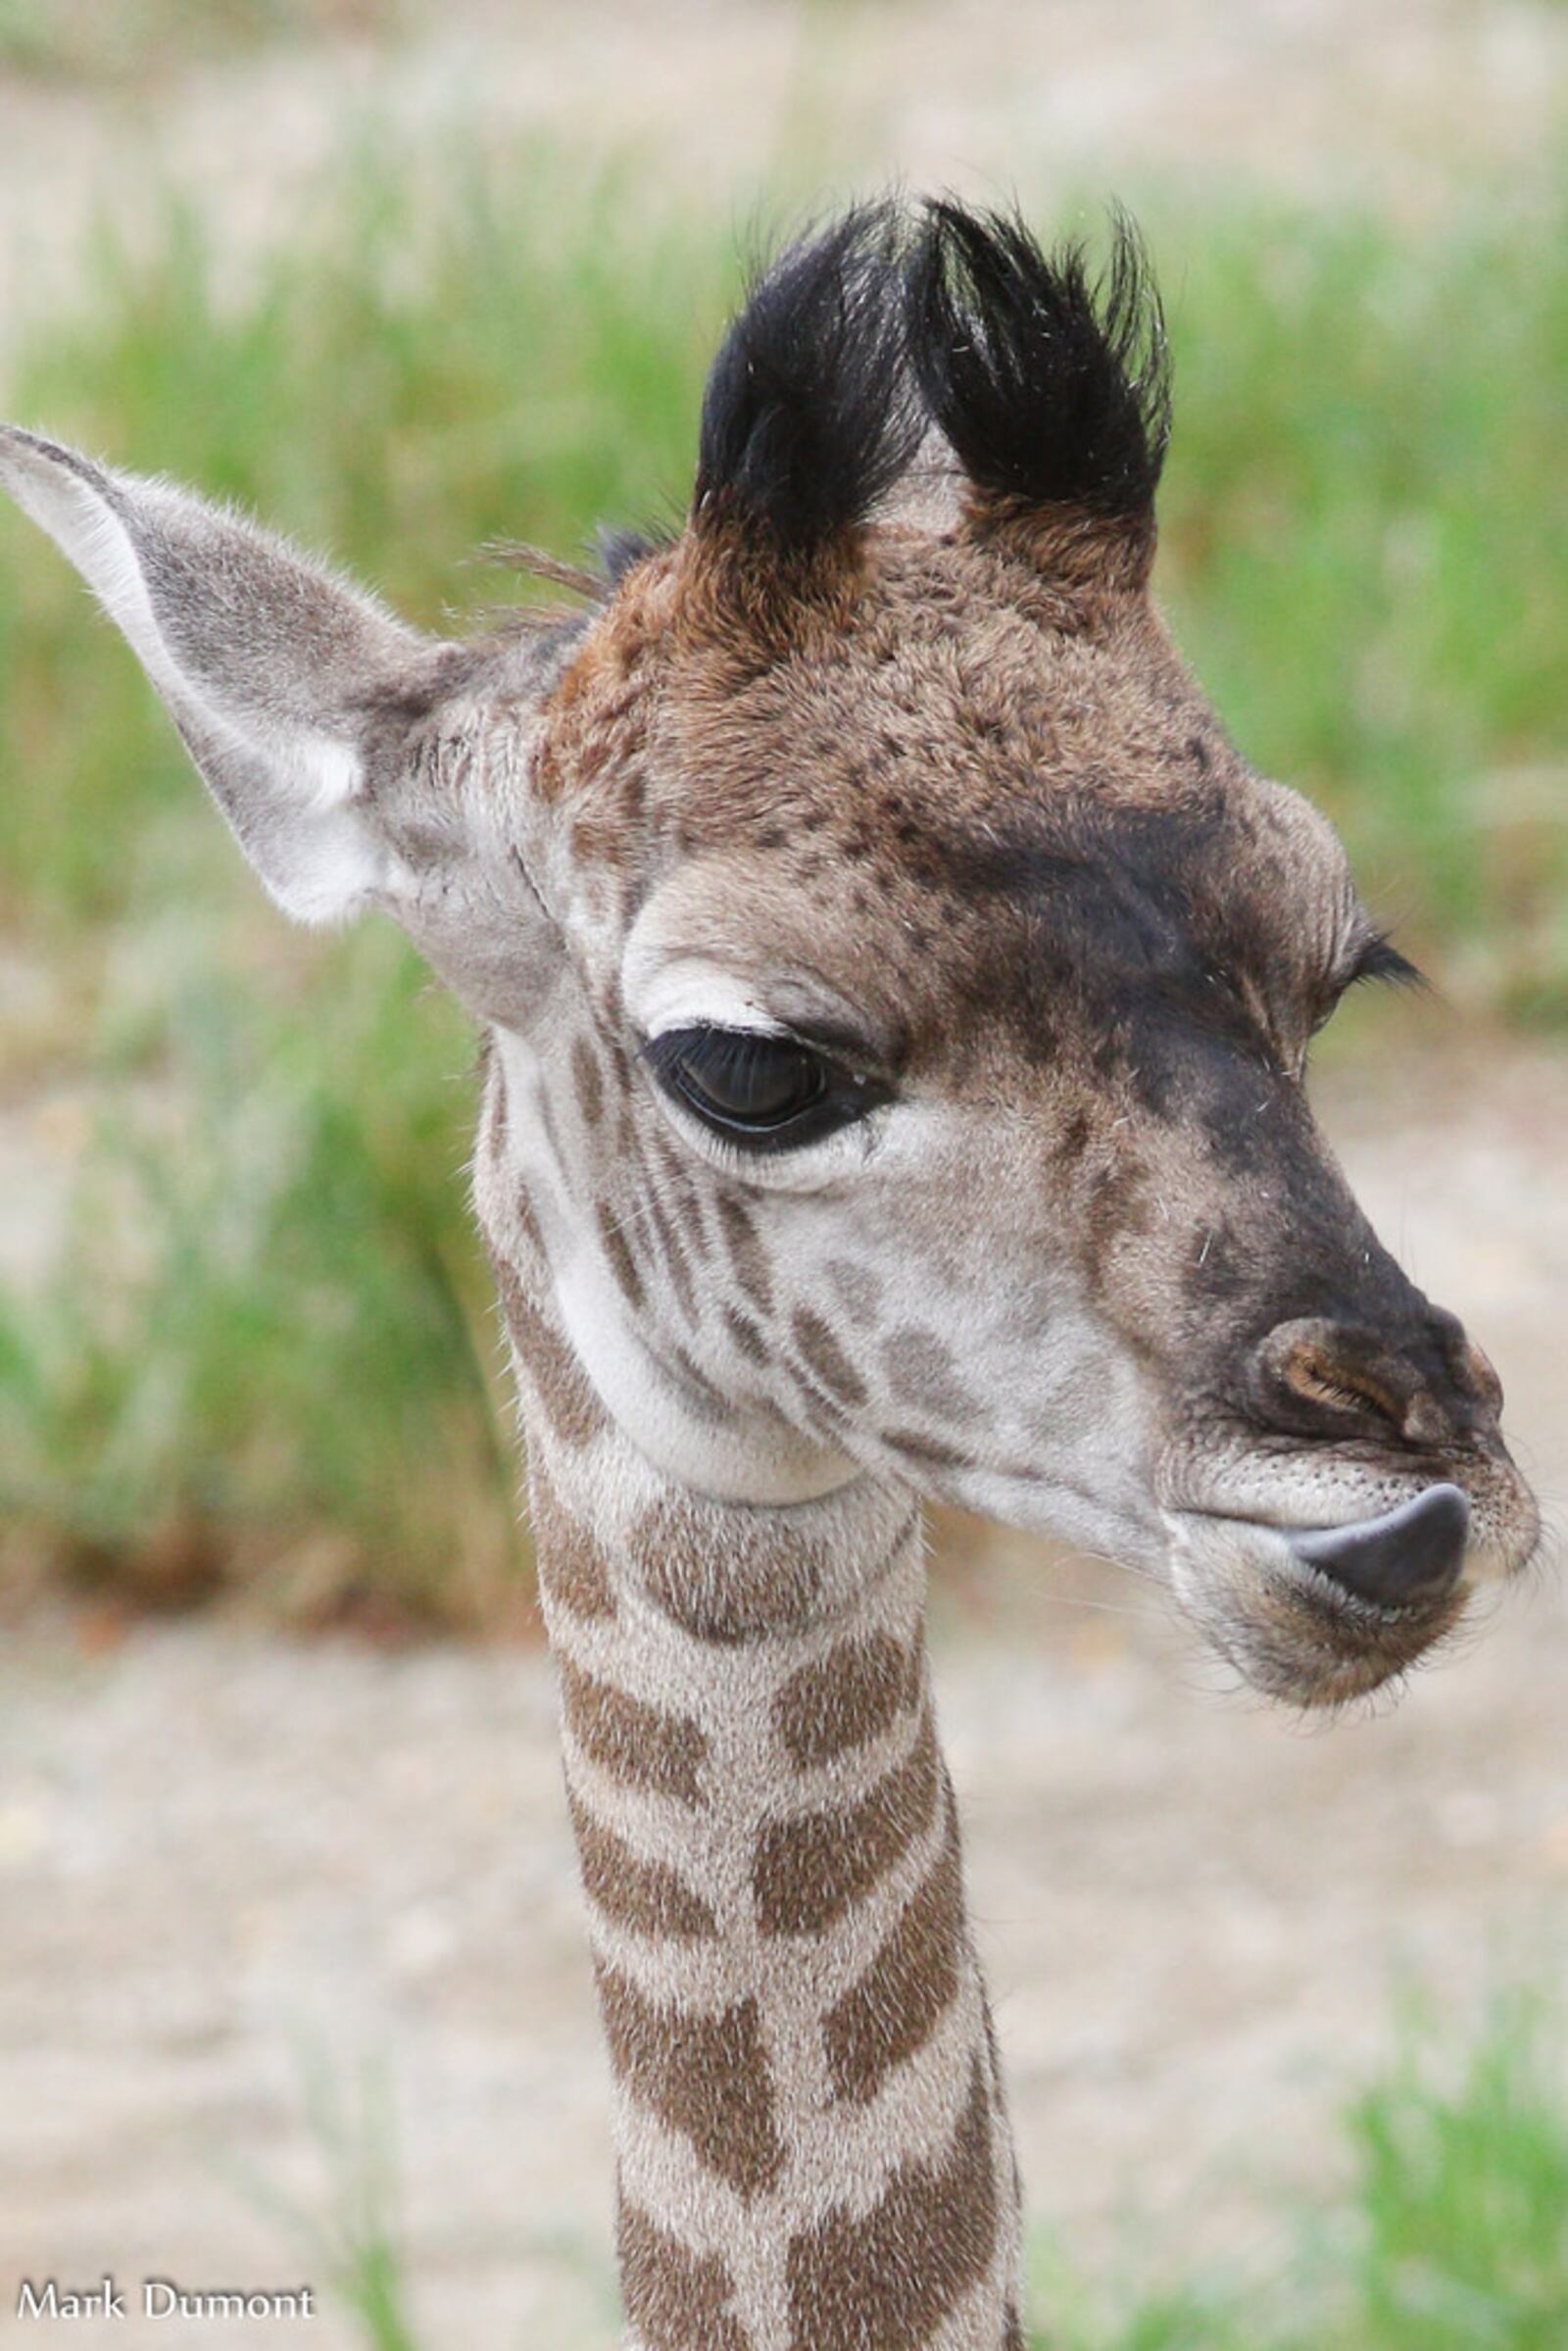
x=965 y=787
x=938 y=699
x=954 y=677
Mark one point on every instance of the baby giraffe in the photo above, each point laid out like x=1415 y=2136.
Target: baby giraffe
x=896 y=992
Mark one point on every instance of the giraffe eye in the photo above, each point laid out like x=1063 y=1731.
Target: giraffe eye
x=766 y=1093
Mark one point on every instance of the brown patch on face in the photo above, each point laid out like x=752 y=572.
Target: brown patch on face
x=572 y=1409
x=746 y=1254
x=660 y=1754
x=745 y=1335
x=859 y=1288
x=927 y=1452
x=676 y=2300
x=826 y=1358
x=890 y=2280
x=673 y=1252
x=846 y=1698
x=587 y=1083
x=573 y=1571
x=745 y=1587
x=681 y=1197
x=896 y=2006
x=693 y=1375
x=921 y=1371
x=705 y=2076
x=623 y=1264
x=806 y=1873
x=645 y=1896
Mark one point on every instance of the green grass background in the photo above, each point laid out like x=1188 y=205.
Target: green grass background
x=268 y=1356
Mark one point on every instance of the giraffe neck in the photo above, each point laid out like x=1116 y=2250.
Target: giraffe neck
x=813 y=2152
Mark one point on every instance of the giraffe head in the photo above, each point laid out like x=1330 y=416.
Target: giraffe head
x=899 y=988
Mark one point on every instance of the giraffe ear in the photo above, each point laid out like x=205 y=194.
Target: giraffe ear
x=1052 y=389
x=278 y=677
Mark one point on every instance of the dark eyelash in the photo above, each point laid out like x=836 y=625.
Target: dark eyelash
x=1380 y=960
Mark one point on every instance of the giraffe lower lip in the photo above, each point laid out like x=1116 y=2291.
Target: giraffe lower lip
x=1293 y=1629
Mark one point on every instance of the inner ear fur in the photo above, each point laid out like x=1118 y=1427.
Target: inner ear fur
x=1052 y=385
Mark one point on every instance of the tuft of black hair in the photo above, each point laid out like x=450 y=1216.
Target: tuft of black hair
x=1052 y=387
x=620 y=550
x=809 y=415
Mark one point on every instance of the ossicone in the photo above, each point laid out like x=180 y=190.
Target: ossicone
x=1050 y=384
x=1048 y=381
x=810 y=416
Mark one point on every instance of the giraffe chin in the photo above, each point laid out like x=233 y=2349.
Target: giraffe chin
x=1297 y=1614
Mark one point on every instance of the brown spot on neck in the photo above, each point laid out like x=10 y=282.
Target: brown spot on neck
x=677 y=2300
x=644 y=1747
x=893 y=2009
x=703 y=2077
x=730 y=1579
x=573 y=1571
x=646 y=1897
x=846 y=1697
x=807 y=1872
x=890 y=2280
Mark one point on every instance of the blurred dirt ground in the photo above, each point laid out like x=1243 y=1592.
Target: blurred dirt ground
x=229 y=1865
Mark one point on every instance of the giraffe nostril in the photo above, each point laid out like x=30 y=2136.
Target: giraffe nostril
x=1321 y=1377
x=1427 y=1386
